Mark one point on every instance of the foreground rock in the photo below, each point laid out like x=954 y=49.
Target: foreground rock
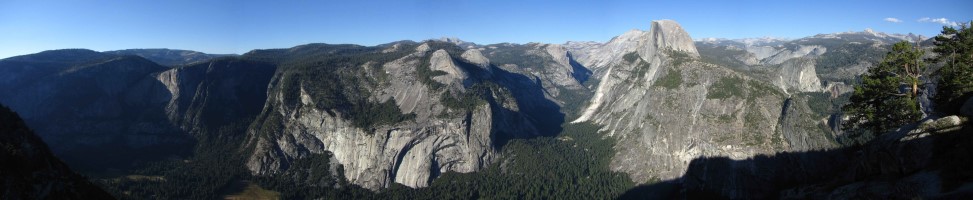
x=893 y=166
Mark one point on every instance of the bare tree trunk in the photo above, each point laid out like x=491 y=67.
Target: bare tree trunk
x=915 y=88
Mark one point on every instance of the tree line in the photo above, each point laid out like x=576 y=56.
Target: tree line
x=889 y=94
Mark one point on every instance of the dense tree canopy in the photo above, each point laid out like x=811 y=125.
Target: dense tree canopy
x=954 y=49
x=886 y=97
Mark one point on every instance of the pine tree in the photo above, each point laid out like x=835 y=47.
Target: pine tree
x=880 y=104
x=954 y=49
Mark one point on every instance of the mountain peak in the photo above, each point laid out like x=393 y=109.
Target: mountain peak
x=668 y=34
x=870 y=31
x=666 y=22
x=871 y=35
x=457 y=42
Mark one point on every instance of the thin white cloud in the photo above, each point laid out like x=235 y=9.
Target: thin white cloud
x=942 y=21
x=893 y=20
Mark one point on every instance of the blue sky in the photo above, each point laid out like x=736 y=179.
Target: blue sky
x=239 y=26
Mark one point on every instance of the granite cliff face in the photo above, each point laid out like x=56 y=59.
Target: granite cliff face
x=405 y=112
x=402 y=114
x=666 y=107
x=434 y=137
x=214 y=93
x=664 y=35
x=553 y=66
x=798 y=75
x=84 y=102
x=668 y=34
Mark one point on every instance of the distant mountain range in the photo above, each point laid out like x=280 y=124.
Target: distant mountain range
x=874 y=36
x=406 y=113
x=169 y=57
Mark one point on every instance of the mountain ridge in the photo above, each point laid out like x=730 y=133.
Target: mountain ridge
x=667 y=107
x=402 y=114
x=562 y=70
x=169 y=57
x=30 y=170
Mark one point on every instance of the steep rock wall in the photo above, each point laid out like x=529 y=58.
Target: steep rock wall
x=666 y=108
x=436 y=138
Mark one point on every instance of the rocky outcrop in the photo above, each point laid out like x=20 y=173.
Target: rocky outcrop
x=644 y=45
x=475 y=57
x=802 y=130
x=664 y=35
x=666 y=108
x=798 y=75
x=410 y=154
x=380 y=119
x=553 y=66
x=216 y=93
x=762 y=52
x=667 y=34
x=801 y=51
x=582 y=50
x=924 y=162
x=455 y=77
x=436 y=138
x=566 y=72
x=458 y=42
